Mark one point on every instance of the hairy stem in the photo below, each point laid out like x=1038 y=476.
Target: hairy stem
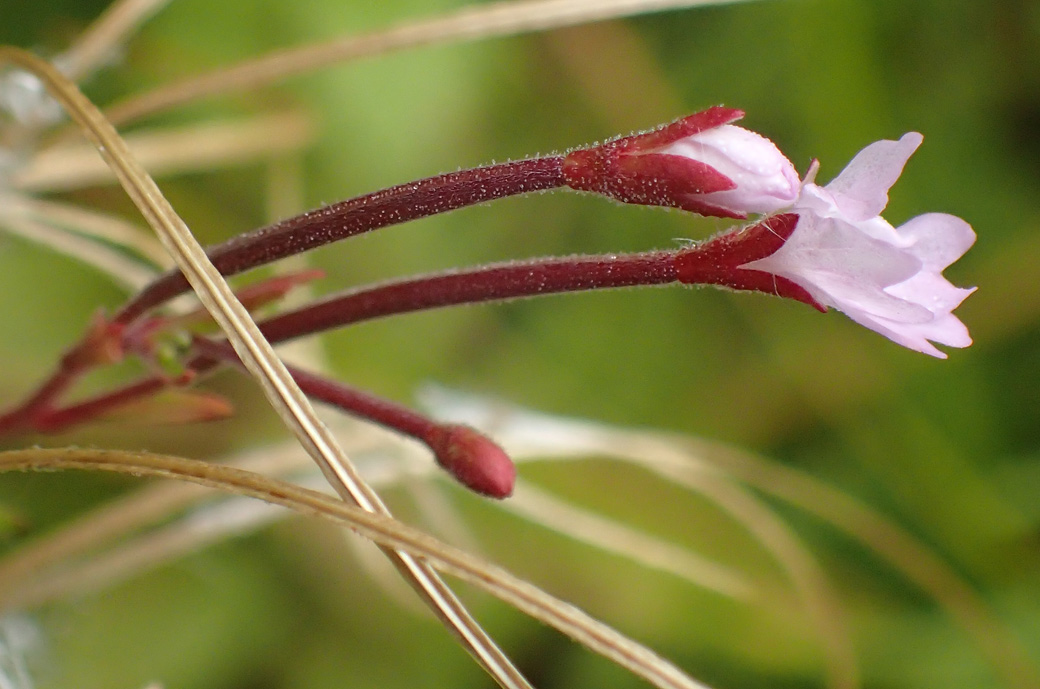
x=472 y=458
x=487 y=283
x=361 y=214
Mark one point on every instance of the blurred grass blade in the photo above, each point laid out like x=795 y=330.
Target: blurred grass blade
x=918 y=563
x=469 y=23
x=818 y=598
x=81 y=221
x=524 y=434
x=590 y=528
x=528 y=434
x=121 y=268
x=102 y=40
x=170 y=151
x=385 y=530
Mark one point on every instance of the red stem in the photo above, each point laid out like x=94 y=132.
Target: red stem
x=40 y=402
x=717 y=261
x=487 y=283
x=71 y=367
x=54 y=420
x=356 y=216
x=473 y=459
x=539 y=277
x=544 y=276
x=382 y=411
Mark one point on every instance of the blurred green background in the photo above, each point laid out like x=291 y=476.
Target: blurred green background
x=948 y=449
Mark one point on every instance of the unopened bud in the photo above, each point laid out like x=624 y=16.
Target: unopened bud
x=700 y=163
x=474 y=460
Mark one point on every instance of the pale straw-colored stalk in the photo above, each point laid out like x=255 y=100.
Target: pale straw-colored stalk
x=384 y=530
x=469 y=23
x=170 y=151
x=526 y=434
x=896 y=546
x=385 y=460
x=102 y=40
x=530 y=436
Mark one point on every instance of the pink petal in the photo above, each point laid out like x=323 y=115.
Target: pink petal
x=945 y=329
x=900 y=334
x=764 y=179
x=937 y=239
x=819 y=201
x=829 y=245
x=853 y=297
x=861 y=190
x=932 y=291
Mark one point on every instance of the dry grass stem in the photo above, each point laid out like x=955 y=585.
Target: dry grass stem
x=123 y=270
x=893 y=544
x=528 y=434
x=145 y=508
x=100 y=42
x=670 y=460
x=149 y=506
x=83 y=221
x=170 y=151
x=110 y=543
x=387 y=531
x=258 y=356
x=382 y=457
x=540 y=507
x=467 y=24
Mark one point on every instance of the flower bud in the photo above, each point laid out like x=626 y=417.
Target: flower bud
x=700 y=163
x=474 y=460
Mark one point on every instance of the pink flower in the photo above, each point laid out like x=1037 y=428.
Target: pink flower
x=889 y=279
x=700 y=163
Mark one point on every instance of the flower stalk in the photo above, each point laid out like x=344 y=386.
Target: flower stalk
x=716 y=262
x=700 y=163
x=823 y=246
x=468 y=455
x=399 y=204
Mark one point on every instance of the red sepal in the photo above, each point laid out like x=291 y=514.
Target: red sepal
x=715 y=116
x=629 y=170
x=717 y=261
